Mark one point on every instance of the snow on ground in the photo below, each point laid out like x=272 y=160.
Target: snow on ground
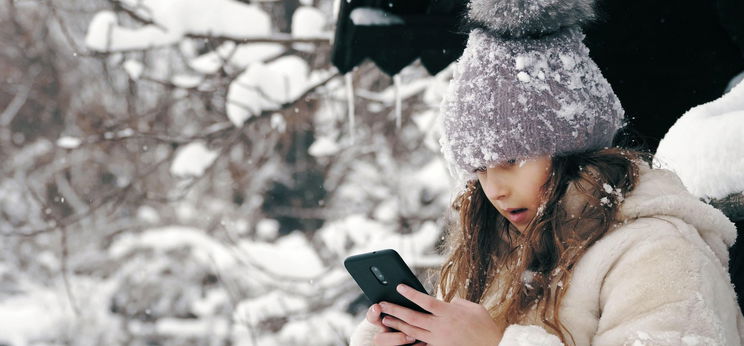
x=704 y=147
x=272 y=304
x=327 y=328
x=37 y=315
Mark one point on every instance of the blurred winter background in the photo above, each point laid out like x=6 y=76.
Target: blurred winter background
x=188 y=172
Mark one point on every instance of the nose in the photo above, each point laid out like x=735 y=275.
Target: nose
x=494 y=187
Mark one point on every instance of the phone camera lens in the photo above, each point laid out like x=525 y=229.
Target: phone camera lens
x=378 y=274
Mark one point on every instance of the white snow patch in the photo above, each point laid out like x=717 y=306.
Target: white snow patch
x=278 y=123
x=523 y=77
x=324 y=146
x=267 y=229
x=387 y=211
x=289 y=256
x=308 y=21
x=239 y=56
x=173 y=20
x=607 y=188
x=187 y=80
x=569 y=62
x=271 y=305
x=162 y=239
x=68 y=142
x=522 y=61
x=326 y=328
x=194 y=328
x=374 y=16
x=192 y=160
x=358 y=234
x=148 y=214
x=569 y=111
x=133 y=68
x=266 y=86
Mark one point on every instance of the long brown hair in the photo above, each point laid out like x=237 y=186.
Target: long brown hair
x=487 y=255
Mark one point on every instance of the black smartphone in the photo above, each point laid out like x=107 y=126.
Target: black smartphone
x=378 y=273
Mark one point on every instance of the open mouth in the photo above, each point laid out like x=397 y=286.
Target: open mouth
x=518 y=216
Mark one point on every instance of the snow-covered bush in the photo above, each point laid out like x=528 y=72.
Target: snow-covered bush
x=186 y=174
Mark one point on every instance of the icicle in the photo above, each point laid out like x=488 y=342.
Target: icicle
x=350 y=100
x=398 y=116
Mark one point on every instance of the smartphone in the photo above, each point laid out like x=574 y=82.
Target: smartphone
x=378 y=273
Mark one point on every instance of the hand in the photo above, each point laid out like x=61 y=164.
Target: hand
x=387 y=336
x=460 y=322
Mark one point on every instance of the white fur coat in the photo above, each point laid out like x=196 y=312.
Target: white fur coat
x=660 y=279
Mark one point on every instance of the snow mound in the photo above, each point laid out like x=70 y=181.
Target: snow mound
x=704 y=147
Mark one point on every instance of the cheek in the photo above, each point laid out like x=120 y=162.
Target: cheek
x=535 y=189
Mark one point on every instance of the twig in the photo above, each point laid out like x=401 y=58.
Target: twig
x=63 y=26
x=65 y=278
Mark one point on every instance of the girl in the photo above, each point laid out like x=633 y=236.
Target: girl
x=561 y=240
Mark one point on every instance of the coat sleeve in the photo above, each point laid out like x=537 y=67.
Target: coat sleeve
x=363 y=334
x=519 y=335
x=666 y=291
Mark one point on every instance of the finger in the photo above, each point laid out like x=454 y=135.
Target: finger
x=425 y=301
x=463 y=302
x=418 y=319
x=416 y=332
x=393 y=338
x=373 y=315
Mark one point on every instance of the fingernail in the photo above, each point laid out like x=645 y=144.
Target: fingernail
x=383 y=306
x=401 y=288
x=410 y=339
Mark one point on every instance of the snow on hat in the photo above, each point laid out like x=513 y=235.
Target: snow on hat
x=525 y=87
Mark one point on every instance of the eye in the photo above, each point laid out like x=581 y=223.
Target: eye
x=479 y=170
x=511 y=162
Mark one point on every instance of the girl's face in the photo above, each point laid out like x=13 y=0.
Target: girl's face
x=514 y=187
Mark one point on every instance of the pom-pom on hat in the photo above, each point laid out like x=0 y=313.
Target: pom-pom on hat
x=525 y=87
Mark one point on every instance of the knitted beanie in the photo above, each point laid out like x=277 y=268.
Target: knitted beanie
x=525 y=86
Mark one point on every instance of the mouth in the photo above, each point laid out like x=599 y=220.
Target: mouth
x=516 y=215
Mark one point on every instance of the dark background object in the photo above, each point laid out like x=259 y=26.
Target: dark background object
x=664 y=57
x=430 y=31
